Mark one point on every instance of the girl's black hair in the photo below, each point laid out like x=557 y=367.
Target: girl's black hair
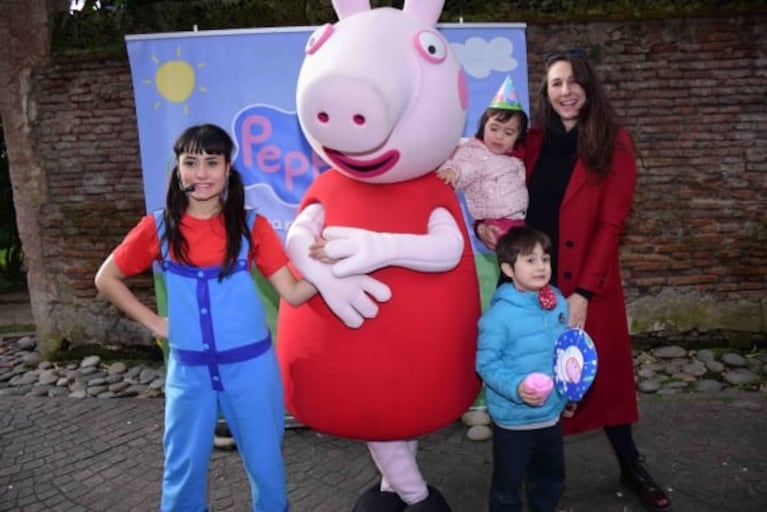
x=503 y=115
x=213 y=140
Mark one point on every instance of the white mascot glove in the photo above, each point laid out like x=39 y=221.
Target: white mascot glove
x=361 y=251
x=348 y=297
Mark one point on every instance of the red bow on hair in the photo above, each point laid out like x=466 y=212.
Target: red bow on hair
x=547 y=298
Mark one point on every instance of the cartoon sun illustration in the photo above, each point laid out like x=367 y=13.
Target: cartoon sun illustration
x=175 y=80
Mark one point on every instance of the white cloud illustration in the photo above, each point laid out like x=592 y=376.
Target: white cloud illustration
x=479 y=57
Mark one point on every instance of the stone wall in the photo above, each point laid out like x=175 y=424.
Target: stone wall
x=693 y=92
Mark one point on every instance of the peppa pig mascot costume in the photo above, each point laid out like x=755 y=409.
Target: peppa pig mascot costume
x=385 y=352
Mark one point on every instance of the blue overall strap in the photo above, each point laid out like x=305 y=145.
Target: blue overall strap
x=159 y=223
x=250 y=218
x=159 y=226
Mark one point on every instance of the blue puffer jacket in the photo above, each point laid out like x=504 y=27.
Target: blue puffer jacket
x=516 y=338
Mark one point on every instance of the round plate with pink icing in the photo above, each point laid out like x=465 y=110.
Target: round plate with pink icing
x=575 y=364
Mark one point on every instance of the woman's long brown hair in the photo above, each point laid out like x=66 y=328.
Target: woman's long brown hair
x=597 y=123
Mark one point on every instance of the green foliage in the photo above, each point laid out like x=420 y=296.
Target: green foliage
x=104 y=30
x=12 y=275
x=16 y=329
x=93 y=30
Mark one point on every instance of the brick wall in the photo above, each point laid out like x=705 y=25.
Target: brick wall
x=694 y=96
x=87 y=140
x=693 y=92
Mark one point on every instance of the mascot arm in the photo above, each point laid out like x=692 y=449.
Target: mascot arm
x=361 y=251
x=349 y=297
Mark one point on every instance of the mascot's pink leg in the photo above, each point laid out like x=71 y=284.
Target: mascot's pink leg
x=399 y=469
x=402 y=487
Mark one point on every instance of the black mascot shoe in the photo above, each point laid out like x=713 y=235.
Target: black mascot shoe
x=636 y=477
x=222 y=438
x=376 y=500
x=434 y=503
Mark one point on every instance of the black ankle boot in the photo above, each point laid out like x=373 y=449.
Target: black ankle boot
x=376 y=500
x=435 y=502
x=635 y=476
x=222 y=437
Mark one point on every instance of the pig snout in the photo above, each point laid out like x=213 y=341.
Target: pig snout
x=345 y=114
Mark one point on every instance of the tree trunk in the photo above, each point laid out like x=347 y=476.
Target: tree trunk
x=25 y=32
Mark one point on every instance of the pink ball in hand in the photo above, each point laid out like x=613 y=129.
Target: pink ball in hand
x=539 y=383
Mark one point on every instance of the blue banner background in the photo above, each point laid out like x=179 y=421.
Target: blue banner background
x=245 y=80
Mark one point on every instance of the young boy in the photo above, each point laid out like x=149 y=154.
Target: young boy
x=515 y=357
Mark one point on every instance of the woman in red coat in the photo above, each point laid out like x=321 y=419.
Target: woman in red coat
x=581 y=176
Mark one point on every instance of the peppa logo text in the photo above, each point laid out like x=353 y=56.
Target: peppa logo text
x=274 y=152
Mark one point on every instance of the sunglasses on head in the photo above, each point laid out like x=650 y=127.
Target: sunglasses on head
x=573 y=52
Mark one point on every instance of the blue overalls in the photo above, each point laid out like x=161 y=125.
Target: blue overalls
x=221 y=358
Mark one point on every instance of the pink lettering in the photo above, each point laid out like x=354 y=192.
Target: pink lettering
x=268 y=158
x=296 y=164
x=250 y=139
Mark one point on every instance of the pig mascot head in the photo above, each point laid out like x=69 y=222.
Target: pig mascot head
x=386 y=351
x=381 y=97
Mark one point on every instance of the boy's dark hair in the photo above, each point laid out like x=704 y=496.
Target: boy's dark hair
x=520 y=240
x=503 y=115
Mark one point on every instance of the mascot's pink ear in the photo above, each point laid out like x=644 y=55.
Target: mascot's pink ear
x=427 y=11
x=345 y=8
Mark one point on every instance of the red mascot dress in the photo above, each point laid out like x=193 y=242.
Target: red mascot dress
x=408 y=371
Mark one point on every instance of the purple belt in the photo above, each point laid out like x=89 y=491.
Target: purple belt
x=211 y=358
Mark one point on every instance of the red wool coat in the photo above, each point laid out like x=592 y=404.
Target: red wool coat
x=591 y=220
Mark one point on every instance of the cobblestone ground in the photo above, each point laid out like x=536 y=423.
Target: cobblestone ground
x=59 y=454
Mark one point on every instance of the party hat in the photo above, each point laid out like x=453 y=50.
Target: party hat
x=506 y=97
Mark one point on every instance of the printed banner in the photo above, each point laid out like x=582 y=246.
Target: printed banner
x=245 y=81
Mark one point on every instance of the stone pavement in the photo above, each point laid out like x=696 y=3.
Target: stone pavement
x=59 y=454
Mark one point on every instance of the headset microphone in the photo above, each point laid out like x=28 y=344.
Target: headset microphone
x=188 y=189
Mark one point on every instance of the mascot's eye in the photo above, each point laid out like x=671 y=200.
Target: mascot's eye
x=431 y=46
x=318 y=38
